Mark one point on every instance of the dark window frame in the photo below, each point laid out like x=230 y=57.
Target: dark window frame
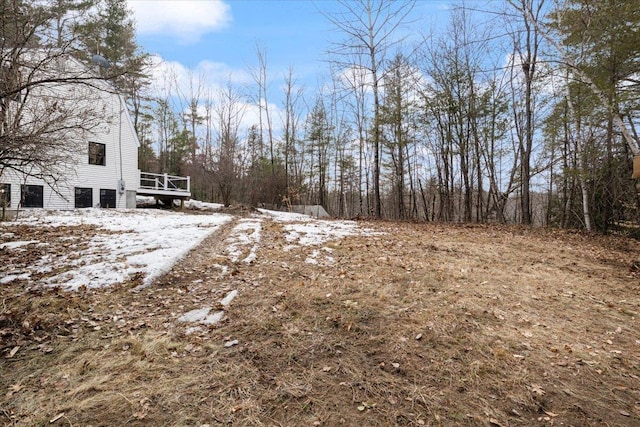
x=5 y=196
x=32 y=196
x=107 y=195
x=83 y=197
x=97 y=154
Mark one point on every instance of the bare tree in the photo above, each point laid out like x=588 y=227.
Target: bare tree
x=371 y=28
x=354 y=81
x=190 y=100
x=526 y=44
x=46 y=96
x=228 y=114
x=291 y=120
x=189 y=106
x=260 y=78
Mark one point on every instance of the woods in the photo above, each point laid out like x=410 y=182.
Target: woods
x=522 y=112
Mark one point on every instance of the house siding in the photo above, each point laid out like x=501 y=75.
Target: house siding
x=121 y=162
x=121 y=157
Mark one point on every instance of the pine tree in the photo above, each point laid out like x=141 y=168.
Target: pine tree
x=110 y=32
x=602 y=39
x=319 y=137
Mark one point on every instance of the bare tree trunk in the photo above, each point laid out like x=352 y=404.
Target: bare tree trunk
x=579 y=148
x=600 y=94
x=262 y=64
x=291 y=119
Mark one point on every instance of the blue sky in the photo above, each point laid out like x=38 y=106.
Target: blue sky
x=225 y=33
x=291 y=32
x=215 y=42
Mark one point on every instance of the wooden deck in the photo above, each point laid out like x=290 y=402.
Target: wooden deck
x=165 y=187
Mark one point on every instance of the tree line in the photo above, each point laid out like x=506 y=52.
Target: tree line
x=524 y=112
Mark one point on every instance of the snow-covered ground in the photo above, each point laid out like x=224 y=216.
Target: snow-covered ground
x=134 y=241
x=246 y=233
x=149 y=242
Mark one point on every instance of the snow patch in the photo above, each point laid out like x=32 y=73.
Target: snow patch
x=14 y=245
x=285 y=216
x=213 y=319
x=229 y=298
x=202 y=316
x=321 y=231
x=11 y=277
x=202 y=206
x=317 y=257
x=223 y=268
x=311 y=260
x=195 y=315
x=246 y=233
x=146 y=241
x=192 y=330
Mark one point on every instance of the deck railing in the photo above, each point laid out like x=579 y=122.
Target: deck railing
x=165 y=182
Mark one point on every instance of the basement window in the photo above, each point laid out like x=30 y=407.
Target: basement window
x=107 y=198
x=83 y=197
x=32 y=196
x=5 y=195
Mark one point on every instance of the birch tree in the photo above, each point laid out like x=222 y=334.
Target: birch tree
x=600 y=48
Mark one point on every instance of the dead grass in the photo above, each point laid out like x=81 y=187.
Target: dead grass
x=423 y=325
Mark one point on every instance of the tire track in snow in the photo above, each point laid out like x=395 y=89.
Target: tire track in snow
x=207 y=272
x=244 y=239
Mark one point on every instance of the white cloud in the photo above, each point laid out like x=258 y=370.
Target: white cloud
x=356 y=77
x=209 y=78
x=208 y=75
x=187 y=20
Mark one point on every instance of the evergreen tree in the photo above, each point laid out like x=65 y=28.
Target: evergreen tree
x=397 y=124
x=110 y=32
x=319 y=137
x=604 y=43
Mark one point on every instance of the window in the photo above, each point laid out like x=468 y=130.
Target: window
x=32 y=196
x=96 y=154
x=5 y=195
x=107 y=198
x=84 y=197
x=10 y=82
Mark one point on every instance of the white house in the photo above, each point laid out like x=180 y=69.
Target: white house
x=100 y=161
x=100 y=165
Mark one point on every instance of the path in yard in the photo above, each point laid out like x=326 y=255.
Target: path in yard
x=242 y=255
x=196 y=285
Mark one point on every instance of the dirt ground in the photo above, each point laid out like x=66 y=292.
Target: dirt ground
x=424 y=325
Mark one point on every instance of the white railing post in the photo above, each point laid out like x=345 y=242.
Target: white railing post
x=164 y=182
